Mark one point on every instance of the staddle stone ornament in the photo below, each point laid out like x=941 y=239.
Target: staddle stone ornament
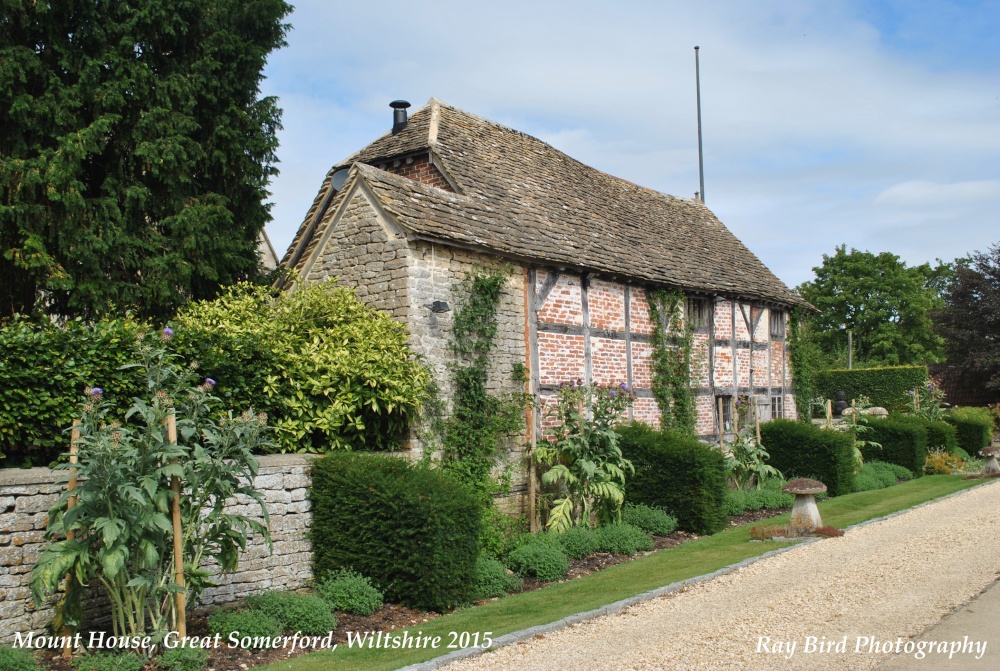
x=990 y=466
x=841 y=404
x=805 y=514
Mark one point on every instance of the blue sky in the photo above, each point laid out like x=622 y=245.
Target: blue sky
x=871 y=124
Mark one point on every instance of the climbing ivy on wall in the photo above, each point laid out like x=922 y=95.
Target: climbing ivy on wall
x=671 y=361
x=472 y=437
x=805 y=356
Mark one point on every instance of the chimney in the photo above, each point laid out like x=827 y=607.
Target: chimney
x=398 y=115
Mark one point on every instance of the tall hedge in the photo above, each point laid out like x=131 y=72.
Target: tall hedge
x=678 y=473
x=886 y=387
x=940 y=434
x=802 y=450
x=903 y=442
x=44 y=370
x=411 y=529
x=973 y=426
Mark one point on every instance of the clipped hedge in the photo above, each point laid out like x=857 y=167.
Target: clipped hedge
x=802 y=450
x=973 y=428
x=43 y=374
x=412 y=530
x=885 y=387
x=677 y=473
x=903 y=442
x=940 y=434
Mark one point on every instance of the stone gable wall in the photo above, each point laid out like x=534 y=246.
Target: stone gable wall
x=27 y=494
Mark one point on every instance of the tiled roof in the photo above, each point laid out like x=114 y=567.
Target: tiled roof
x=524 y=199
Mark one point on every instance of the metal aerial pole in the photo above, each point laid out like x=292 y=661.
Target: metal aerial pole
x=701 y=157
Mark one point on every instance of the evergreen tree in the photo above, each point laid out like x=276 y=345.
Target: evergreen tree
x=135 y=151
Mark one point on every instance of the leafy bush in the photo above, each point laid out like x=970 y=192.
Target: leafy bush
x=578 y=542
x=879 y=475
x=17 y=659
x=653 y=521
x=295 y=612
x=46 y=367
x=108 y=661
x=900 y=442
x=886 y=387
x=962 y=454
x=493 y=580
x=335 y=374
x=940 y=462
x=677 y=473
x=183 y=659
x=802 y=450
x=545 y=561
x=623 y=539
x=768 y=497
x=413 y=530
x=350 y=592
x=973 y=427
x=252 y=623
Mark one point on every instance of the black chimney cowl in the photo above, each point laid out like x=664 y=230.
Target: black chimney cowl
x=398 y=115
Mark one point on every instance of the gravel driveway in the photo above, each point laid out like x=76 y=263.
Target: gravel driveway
x=843 y=603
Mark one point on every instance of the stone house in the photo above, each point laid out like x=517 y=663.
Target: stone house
x=406 y=218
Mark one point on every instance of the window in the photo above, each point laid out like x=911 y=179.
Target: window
x=777 y=407
x=777 y=323
x=697 y=312
x=727 y=411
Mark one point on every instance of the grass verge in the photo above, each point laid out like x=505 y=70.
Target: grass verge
x=686 y=561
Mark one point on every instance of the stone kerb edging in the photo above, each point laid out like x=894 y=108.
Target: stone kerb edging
x=619 y=606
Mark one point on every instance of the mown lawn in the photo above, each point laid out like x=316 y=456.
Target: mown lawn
x=684 y=562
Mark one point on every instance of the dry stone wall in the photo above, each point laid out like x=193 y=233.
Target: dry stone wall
x=27 y=494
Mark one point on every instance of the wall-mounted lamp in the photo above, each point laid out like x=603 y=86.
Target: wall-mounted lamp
x=438 y=307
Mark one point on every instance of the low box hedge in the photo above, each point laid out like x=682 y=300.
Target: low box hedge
x=902 y=442
x=409 y=528
x=973 y=428
x=677 y=473
x=802 y=450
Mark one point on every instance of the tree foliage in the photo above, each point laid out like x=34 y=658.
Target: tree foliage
x=135 y=151
x=885 y=304
x=970 y=319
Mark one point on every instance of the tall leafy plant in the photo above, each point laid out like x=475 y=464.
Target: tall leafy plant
x=747 y=460
x=119 y=533
x=584 y=457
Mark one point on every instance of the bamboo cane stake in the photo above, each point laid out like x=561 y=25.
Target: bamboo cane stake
x=829 y=414
x=722 y=428
x=67 y=631
x=756 y=417
x=175 y=486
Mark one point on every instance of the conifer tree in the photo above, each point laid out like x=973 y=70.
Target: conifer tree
x=135 y=151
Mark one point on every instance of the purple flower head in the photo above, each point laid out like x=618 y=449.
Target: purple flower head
x=623 y=386
x=209 y=382
x=579 y=382
x=167 y=333
x=910 y=392
x=613 y=393
x=738 y=402
x=96 y=391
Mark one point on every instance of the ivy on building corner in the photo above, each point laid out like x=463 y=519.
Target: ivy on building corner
x=804 y=355
x=671 y=361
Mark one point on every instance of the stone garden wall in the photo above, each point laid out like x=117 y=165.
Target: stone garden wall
x=27 y=494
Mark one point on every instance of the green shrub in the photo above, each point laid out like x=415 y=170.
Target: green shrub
x=412 y=530
x=295 y=612
x=493 y=580
x=350 y=592
x=545 y=561
x=108 y=661
x=802 y=450
x=252 y=623
x=902 y=442
x=45 y=370
x=866 y=482
x=879 y=475
x=577 y=542
x=653 y=521
x=940 y=434
x=962 y=454
x=973 y=426
x=623 y=539
x=183 y=659
x=677 y=473
x=17 y=659
x=885 y=387
x=335 y=374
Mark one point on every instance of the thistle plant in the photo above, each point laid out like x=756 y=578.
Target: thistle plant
x=583 y=455
x=119 y=533
x=927 y=401
x=746 y=460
